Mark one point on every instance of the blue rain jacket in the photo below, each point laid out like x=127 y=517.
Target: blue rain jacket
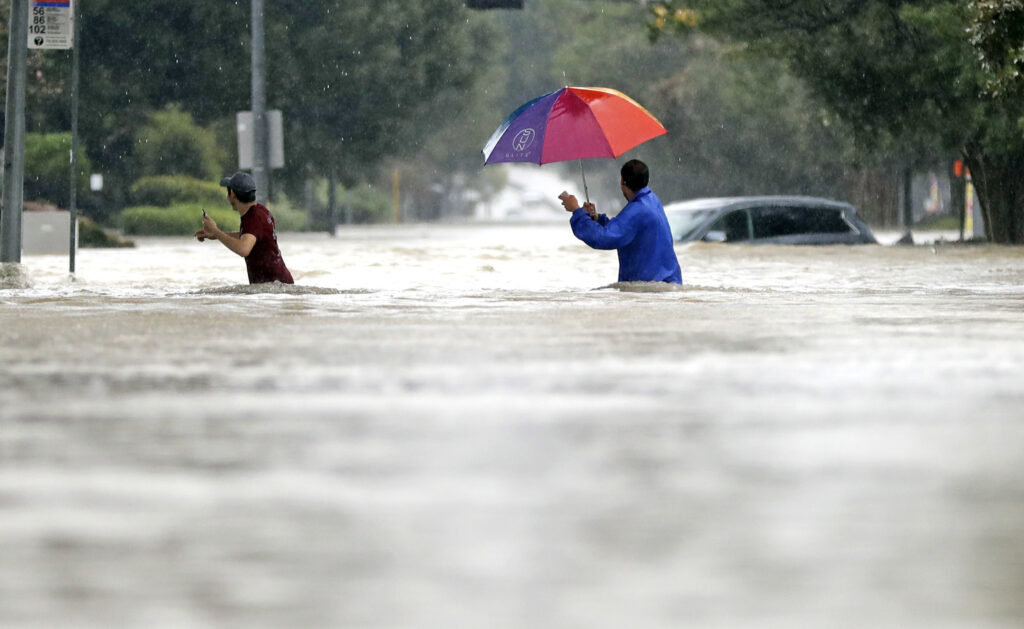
x=642 y=236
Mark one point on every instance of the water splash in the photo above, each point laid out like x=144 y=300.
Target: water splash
x=14 y=276
x=273 y=288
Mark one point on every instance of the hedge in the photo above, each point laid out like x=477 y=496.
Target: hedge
x=184 y=219
x=287 y=218
x=165 y=190
x=92 y=235
x=171 y=143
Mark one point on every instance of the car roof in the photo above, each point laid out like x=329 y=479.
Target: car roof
x=721 y=203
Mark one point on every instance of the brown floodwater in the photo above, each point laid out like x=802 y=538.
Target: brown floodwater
x=467 y=426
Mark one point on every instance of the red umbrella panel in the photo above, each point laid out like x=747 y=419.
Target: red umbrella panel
x=572 y=123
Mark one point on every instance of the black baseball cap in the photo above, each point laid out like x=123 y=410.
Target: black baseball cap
x=239 y=182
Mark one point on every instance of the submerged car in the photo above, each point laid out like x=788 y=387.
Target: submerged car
x=785 y=220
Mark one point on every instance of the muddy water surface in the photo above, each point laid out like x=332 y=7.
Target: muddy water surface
x=456 y=426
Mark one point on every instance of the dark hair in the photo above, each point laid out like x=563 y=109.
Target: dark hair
x=635 y=175
x=244 y=197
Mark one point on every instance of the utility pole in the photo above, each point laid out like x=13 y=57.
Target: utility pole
x=73 y=231
x=908 y=199
x=260 y=157
x=14 y=135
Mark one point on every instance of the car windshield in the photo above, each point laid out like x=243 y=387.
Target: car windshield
x=685 y=222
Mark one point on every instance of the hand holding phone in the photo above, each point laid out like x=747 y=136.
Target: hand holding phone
x=201 y=234
x=569 y=202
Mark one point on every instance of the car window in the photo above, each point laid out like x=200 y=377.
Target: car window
x=683 y=222
x=735 y=226
x=770 y=222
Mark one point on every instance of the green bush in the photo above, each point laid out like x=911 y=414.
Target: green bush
x=287 y=218
x=165 y=190
x=182 y=219
x=92 y=235
x=939 y=222
x=172 y=144
x=47 y=168
x=370 y=205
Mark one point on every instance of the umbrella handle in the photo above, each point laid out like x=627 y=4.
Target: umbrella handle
x=586 y=192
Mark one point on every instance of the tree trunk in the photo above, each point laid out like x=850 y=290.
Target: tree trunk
x=1000 y=187
x=875 y=193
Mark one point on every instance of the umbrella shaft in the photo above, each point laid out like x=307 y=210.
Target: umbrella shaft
x=586 y=192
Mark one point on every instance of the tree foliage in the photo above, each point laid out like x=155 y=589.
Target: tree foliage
x=741 y=128
x=357 y=76
x=902 y=74
x=170 y=143
x=170 y=189
x=354 y=80
x=47 y=170
x=736 y=124
x=758 y=96
x=996 y=30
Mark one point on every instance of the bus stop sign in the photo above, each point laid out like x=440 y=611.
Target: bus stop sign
x=51 y=24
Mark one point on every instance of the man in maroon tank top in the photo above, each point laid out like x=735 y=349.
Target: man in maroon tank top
x=256 y=241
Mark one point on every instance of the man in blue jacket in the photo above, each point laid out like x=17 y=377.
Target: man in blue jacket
x=640 y=231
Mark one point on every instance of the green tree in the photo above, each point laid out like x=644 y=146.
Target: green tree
x=741 y=127
x=354 y=80
x=902 y=74
x=736 y=124
x=997 y=31
x=170 y=143
x=47 y=169
x=358 y=80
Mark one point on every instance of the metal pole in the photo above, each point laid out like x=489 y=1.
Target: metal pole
x=586 y=191
x=908 y=200
x=260 y=163
x=73 y=231
x=332 y=198
x=14 y=135
x=396 y=191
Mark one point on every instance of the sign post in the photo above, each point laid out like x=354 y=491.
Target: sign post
x=73 y=230
x=53 y=26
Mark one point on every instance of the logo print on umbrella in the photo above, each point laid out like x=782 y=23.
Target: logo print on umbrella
x=524 y=139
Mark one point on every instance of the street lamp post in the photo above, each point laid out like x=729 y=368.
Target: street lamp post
x=14 y=135
x=260 y=165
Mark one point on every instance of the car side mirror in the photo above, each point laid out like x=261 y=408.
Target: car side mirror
x=714 y=236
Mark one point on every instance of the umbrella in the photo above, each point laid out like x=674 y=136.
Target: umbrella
x=572 y=123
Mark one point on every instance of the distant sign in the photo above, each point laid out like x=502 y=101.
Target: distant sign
x=246 y=141
x=51 y=24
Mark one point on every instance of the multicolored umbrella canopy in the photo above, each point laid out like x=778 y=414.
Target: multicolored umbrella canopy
x=572 y=123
